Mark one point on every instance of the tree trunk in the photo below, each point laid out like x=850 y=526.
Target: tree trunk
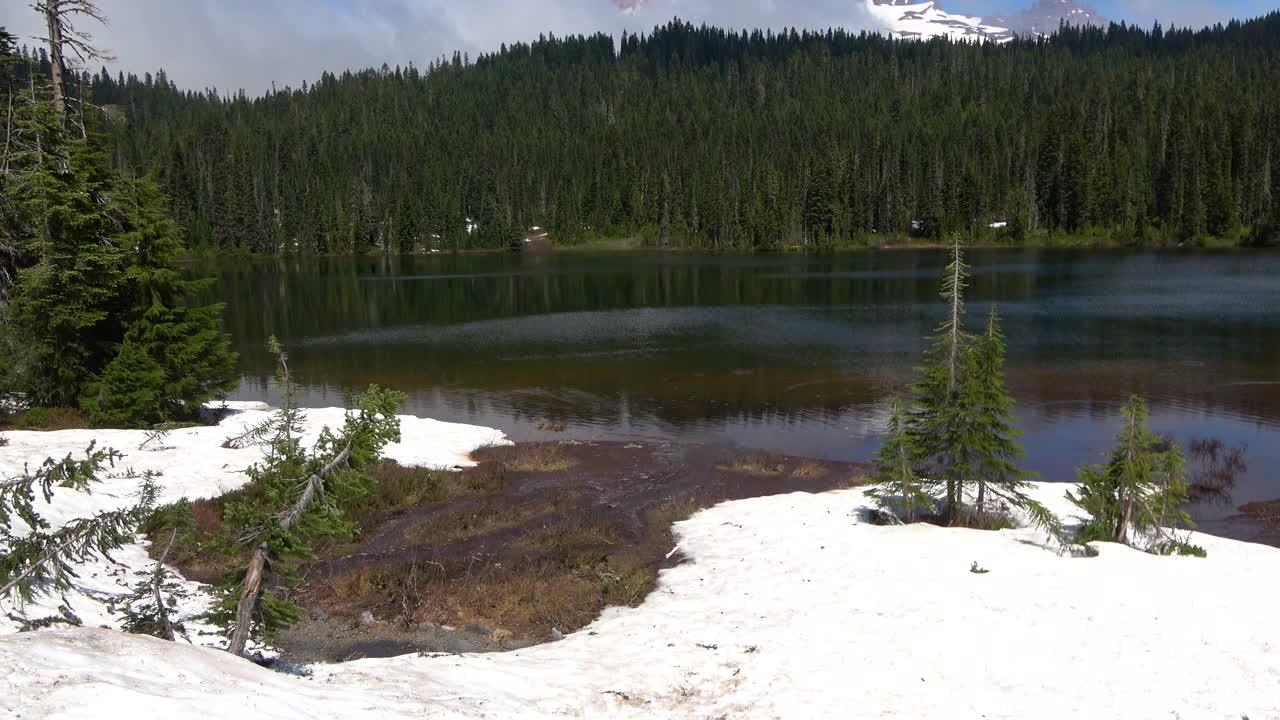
x=157 y=579
x=251 y=587
x=57 y=65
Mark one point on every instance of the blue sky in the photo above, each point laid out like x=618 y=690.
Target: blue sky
x=231 y=44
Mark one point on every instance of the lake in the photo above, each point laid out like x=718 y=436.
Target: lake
x=794 y=354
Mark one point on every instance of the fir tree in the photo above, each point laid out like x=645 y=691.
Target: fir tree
x=296 y=497
x=1137 y=498
x=66 y=315
x=960 y=433
x=938 y=420
x=993 y=431
x=175 y=356
x=146 y=609
x=129 y=391
x=896 y=485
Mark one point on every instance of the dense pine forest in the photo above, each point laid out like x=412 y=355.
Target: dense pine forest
x=696 y=136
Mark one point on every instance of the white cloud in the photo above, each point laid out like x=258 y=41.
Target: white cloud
x=1179 y=13
x=231 y=44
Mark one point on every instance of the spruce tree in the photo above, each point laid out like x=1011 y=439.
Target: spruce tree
x=1137 y=498
x=175 y=355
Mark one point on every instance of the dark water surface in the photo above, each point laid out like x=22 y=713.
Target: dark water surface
x=794 y=354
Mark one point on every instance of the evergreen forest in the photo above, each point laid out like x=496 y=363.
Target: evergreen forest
x=713 y=139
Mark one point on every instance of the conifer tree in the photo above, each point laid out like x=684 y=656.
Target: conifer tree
x=993 y=436
x=1137 y=498
x=66 y=314
x=147 y=608
x=129 y=391
x=175 y=356
x=295 y=497
x=938 y=419
x=960 y=431
x=896 y=486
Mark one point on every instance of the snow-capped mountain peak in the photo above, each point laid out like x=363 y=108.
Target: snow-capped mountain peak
x=927 y=18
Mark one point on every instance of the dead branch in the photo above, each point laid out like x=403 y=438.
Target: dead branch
x=157 y=579
x=251 y=587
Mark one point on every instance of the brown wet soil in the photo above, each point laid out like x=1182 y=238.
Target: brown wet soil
x=533 y=542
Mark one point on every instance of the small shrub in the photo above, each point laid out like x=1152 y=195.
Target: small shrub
x=539 y=458
x=754 y=464
x=623 y=589
x=43 y=418
x=810 y=470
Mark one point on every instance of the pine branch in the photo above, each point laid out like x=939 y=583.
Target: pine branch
x=43 y=560
x=251 y=586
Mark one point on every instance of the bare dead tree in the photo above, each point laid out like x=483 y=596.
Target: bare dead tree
x=69 y=47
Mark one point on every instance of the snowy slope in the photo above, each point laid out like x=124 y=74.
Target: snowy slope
x=921 y=20
x=789 y=607
x=1046 y=16
x=912 y=19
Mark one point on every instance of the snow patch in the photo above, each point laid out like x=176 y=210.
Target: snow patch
x=789 y=606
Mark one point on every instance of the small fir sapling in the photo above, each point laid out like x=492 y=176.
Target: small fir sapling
x=296 y=497
x=1137 y=498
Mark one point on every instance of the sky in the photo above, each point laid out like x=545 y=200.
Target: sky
x=250 y=44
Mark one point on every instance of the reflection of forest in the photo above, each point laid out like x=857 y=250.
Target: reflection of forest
x=687 y=338
x=604 y=395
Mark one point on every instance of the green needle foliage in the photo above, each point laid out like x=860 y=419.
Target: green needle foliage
x=956 y=447
x=174 y=356
x=296 y=496
x=993 y=432
x=38 y=557
x=1137 y=497
x=896 y=485
x=93 y=310
x=721 y=139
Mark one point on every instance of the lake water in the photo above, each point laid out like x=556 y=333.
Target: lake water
x=788 y=353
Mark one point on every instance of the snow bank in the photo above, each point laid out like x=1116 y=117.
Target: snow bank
x=192 y=463
x=789 y=607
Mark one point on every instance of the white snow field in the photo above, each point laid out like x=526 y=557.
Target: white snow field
x=787 y=607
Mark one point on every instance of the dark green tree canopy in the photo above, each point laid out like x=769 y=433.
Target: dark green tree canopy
x=721 y=139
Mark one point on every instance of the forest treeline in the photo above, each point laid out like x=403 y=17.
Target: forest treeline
x=697 y=136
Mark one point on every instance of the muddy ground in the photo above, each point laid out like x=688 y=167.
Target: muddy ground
x=532 y=543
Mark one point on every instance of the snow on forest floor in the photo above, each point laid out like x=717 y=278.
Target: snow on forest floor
x=787 y=607
x=193 y=464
